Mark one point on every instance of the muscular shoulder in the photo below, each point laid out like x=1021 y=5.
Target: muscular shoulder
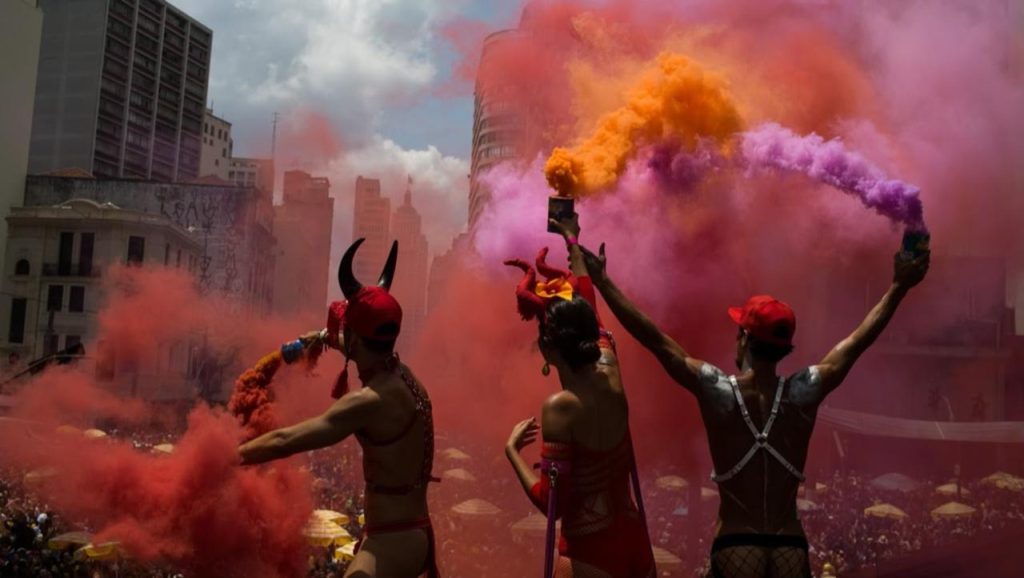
x=558 y=413
x=714 y=385
x=805 y=387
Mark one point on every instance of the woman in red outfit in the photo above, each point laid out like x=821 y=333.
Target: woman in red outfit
x=585 y=428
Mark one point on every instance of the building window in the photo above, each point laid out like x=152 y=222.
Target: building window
x=76 y=299
x=136 y=250
x=178 y=261
x=85 y=254
x=71 y=341
x=51 y=343
x=224 y=153
x=22 y=267
x=67 y=241
x=16 y=331
x=167 y=254
x=55 y=298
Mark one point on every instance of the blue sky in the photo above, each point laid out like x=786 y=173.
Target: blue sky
x=372 y=69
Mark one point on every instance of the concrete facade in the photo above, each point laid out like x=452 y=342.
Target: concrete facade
x=215 y=158
x=302 y=226
x=53 y=290
x=21 y=29
x=232 y=224
x=121 y=90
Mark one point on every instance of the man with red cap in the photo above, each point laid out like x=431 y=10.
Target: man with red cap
x=390 y=416
x=759 y=423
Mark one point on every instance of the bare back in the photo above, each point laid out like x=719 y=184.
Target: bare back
x=394 y=449
x=602 y=420
x=760 y=496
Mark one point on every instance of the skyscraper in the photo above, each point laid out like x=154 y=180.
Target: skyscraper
x=510 y=119
x=371 y=220
x=21 y=28
x=121 y=89
x=410 y=285
x=302 y=226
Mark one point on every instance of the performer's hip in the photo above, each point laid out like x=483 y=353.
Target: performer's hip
x=622 y=550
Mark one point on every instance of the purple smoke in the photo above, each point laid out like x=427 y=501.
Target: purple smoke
x=676 y=169
x=773 y=146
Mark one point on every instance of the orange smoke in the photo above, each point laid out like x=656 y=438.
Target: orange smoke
x=675 y=99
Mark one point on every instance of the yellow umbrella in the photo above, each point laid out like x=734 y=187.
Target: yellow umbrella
x=94 y=434
x=455 y=454
x=708 y=494
x=476 y=508
x=163 y=449
x=1005 y=481
x=532 y=524
x=323 y=533
x=953 y=510
x=885 y=511
x=104 y=551
x=361 y=519
x=331 y=516
x=671 y=483
x=68 y=429
x=950 y=490
x=665 y=559
x=803 y=505
x=459 y=474
x=40 y=475
x=68 y=540
x=346 y=552
x=828 y=571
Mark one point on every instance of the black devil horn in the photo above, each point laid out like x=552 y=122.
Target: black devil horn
x=346 y=278
x=388 y=274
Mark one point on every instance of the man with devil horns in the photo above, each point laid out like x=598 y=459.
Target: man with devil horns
x=391 y=418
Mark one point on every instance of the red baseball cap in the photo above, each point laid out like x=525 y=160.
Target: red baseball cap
x=766 y=319
x=372 y=313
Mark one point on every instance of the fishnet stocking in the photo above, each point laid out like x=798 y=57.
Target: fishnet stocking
x=758 y=562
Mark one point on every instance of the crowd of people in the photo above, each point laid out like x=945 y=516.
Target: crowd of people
x=497 y=544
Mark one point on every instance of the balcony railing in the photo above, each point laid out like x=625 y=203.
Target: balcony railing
x=70 y=270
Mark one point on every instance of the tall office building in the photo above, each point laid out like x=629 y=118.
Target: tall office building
x=302 y=226
x=215 y=158
x=371 y=220
x=410 y=285
x=121 y=90
x=21 y=29
x=510 y=122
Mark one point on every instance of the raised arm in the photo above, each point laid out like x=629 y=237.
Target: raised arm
x=837 y=364
x=342 y=419
x=685 y=370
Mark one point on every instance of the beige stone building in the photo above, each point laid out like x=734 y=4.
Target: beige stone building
x=53 y=290
x=215 y=158
x=252 y=172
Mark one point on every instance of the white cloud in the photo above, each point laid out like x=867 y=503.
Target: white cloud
x=440 y=187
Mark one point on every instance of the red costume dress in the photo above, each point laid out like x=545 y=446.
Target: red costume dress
x=602 y=526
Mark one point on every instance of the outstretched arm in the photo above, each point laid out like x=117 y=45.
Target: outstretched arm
x=342 y=419
x=837 y=364
x=685 y=370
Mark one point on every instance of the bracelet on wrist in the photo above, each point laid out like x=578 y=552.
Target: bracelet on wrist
x=571 y=240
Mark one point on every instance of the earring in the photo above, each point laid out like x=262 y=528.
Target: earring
x=546 y=370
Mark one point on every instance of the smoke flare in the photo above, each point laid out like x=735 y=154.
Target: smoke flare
x=675 y=99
